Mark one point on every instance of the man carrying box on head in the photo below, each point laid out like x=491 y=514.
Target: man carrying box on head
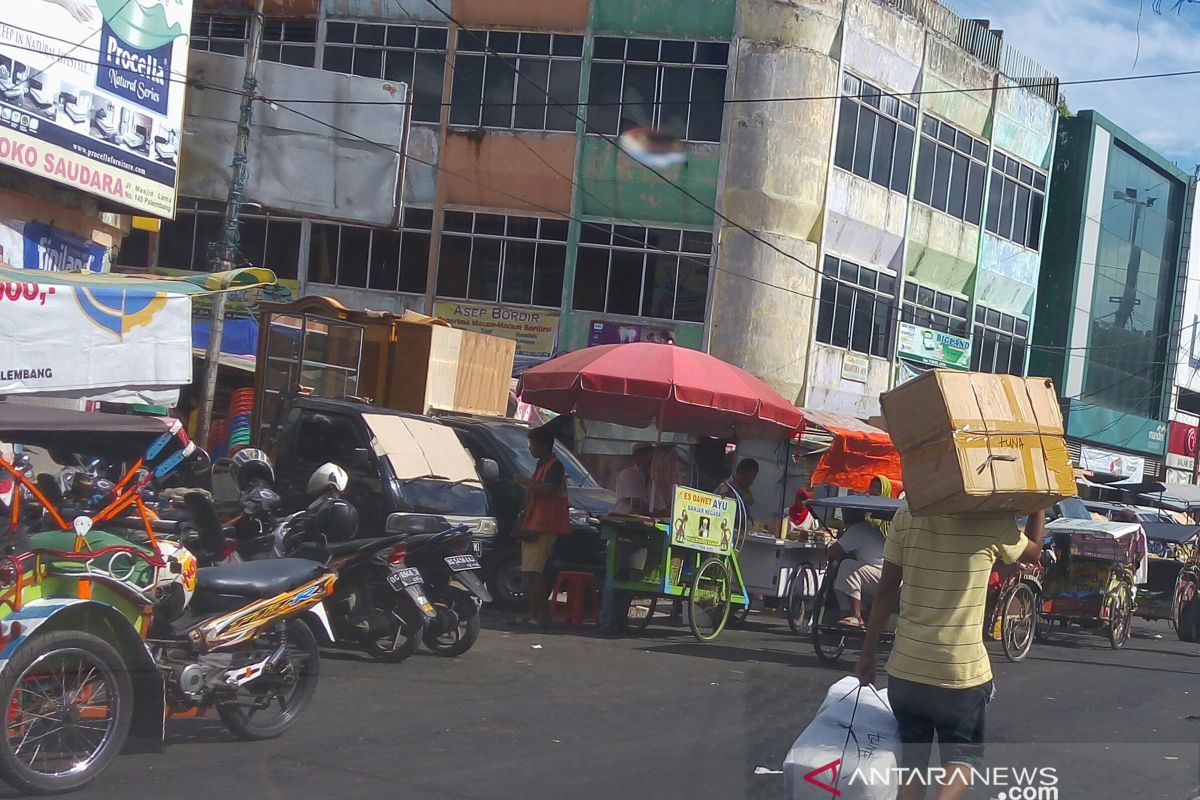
x=939 y=675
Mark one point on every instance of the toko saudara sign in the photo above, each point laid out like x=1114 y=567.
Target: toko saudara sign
x=92 y=95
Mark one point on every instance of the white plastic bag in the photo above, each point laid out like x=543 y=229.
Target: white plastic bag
x=853 y=738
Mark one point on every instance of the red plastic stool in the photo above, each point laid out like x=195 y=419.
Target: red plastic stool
x=583 y=598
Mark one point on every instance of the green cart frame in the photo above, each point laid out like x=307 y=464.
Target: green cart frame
x=643 y=565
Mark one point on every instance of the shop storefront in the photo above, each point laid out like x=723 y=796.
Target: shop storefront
x=1181 y=453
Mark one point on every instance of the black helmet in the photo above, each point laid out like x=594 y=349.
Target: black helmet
x=337 y=520
x=252 y=466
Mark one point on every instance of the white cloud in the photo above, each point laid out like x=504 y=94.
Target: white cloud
x=1085 y=39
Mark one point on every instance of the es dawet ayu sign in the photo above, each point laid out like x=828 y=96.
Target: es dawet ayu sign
x=702 y=521
x=933 y=347
x=105 y=116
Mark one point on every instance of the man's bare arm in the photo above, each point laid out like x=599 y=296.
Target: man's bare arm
x=1035 y=531
x=881 y=609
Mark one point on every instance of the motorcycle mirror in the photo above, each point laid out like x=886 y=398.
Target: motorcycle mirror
x=489 y=470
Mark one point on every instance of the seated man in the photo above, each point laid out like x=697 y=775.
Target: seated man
x=861 y=545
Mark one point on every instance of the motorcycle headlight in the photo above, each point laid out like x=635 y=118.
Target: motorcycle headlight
x=486 y=528
x=579 y=517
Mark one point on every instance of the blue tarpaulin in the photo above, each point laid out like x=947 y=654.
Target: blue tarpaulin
x=239 y=338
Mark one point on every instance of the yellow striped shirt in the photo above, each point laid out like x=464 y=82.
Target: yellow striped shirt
x=946 y=561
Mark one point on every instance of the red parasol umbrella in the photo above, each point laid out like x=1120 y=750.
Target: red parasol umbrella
x=642 y=383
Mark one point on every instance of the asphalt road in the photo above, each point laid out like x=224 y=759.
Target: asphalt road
x=564 y=714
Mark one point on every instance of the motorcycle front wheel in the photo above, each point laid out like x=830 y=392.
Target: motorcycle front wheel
x=457 y=626
x=268 y=705
x=402 y=640
x=69 y=703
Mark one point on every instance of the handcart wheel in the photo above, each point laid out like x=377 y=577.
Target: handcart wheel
x=1188 y=627
x=1018 y=621
x=1120 y=617
x=797 y=602
x=640 y=612
x=709 y=601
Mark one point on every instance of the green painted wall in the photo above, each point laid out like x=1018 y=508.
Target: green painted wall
x=679 y=19
x=615 y=187
x=1095 y=423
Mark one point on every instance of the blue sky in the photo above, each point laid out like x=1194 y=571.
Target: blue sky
x=1081 y=39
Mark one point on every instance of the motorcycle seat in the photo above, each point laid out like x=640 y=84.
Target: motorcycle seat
x=260 y=579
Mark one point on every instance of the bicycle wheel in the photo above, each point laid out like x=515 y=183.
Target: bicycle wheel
x=1120 y=617
x=1018 y=621
x=828 y=642
x=797 y=603
x=708 y=603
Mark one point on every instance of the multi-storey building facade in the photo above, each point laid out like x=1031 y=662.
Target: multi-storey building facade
x=862 y=196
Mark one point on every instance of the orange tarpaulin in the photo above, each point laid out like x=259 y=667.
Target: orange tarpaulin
x=855 y=457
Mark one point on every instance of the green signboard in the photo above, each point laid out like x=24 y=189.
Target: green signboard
x=933 y=347
x=702 y=521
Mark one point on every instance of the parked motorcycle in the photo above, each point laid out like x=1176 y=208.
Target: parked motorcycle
x=447 y=562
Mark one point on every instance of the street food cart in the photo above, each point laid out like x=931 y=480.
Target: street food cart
x=694 y=554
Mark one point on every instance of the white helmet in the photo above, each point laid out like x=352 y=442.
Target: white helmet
x=173 y=586
x=328 y=476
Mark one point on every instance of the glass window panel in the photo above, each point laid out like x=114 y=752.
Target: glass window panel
x=929 y=126
x=555 y=229
x=176 y=240
x=712 y=53
x=843 y=154
x=335 y=32
x=385 y=260
x=864 y=315
x=910 y=291
x=902 y=162
x=925 y=164
x=992 y=318
x=604 y=97
x=491 y=224
x=1012 y=168
x=959 y=307
x=677 y=52
x=658 y=286
x=847 y=272
x=850 y=84
x=825 y=311
x=518 y=272
x=941 y=177
x=563 y=87
x=974 y=202
x=472 y=41
x=270 y=52
x=322 y=252
x=353 y=256
x=431 y=38
x=369 y=34
x=1033 y=235
x=1021 y=215
x=867 y=277
x=454 y=266
x=608 y=47
x=485 y=270
x=298 y=56
x=708 y=104
x=1007 y=209
x=591 y=279
x=283 y=248
x=503 y=41
x=637 y=98
x=925 y=296
x=338 y=59
x=870 y=95
x=889 y=105
x=595 y=233
x=628 y=236
x=885 y=142
x=551 y=261
x=398 y=66
x=676 y=95
x=946 y=134
x=414 y=261
x=458 y=221
x=427 y=87
x=908 y=113
x=521 y=227
x=1026 y=174
x=567 y=45
x=941 y=302
x=537 y=44
x=663 y=239
x=863 y=142
x=995 y=200
x=887 y=283
x=467 y=90
x=421 y=218
x=1021 y=327
x=696 y=242
x=881 y=328
x=625 y=282
x=842 y=313
x=1039 y=181
x=368 y=63
x=642 y=50
x=499 y=82
x=956 y=204
x=401 y=36
x=691 y=293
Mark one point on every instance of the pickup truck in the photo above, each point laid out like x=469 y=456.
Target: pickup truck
x=398 y=463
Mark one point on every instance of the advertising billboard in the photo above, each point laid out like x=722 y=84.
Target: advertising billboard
x=91 y=95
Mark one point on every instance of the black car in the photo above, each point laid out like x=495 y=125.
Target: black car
x=506 y=442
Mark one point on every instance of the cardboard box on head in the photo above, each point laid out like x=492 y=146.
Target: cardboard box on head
x=976 y=442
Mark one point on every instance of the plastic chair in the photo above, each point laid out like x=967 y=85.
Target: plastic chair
x=583 y=598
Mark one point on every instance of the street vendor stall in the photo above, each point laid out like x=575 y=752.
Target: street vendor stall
x=694 y=553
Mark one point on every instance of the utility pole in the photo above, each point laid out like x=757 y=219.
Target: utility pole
x=232 y=227
x=1128 y=300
